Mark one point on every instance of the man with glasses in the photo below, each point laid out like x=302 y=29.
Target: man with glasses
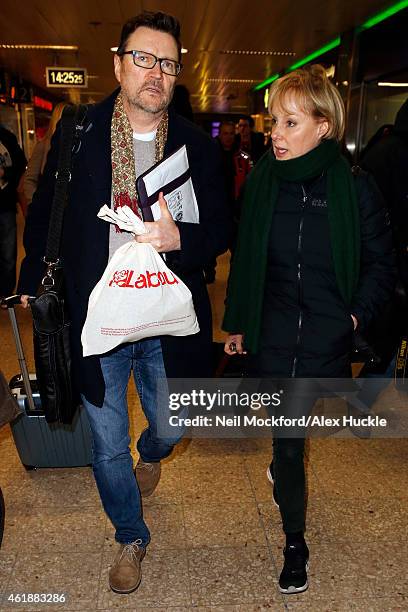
x=122 y=137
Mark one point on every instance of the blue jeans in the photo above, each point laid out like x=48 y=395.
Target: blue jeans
x=8 y=252
x=112 y=461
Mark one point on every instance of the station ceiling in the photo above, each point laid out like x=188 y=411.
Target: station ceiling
x=278 y=31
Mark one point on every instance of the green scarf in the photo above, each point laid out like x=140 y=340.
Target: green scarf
x=247 y=279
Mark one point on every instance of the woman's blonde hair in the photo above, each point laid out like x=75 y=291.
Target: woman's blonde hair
x=316 y=94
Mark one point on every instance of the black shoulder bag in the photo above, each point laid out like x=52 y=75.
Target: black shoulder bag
x=51 y=322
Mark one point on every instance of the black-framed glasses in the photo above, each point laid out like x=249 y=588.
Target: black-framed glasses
x=148 y=60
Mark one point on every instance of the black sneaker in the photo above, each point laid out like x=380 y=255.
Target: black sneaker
x=269 y=474
x=293 y=578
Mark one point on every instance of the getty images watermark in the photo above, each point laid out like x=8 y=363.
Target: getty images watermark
x=228 y=408
x=223 y=399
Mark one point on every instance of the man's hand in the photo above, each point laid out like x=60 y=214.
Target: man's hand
x=355 y=322
x=163 y=234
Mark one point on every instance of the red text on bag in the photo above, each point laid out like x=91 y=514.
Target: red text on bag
x=124 y=278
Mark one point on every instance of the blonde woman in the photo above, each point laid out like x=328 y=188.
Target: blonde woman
x=313 y=263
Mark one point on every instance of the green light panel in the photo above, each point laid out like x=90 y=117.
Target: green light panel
x=268 y=81
x=331 y=45
x=395 y=8
x=392 y=10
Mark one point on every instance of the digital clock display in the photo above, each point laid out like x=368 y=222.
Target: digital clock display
x=66 y=77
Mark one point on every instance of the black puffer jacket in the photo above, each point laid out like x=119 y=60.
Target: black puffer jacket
x=307 y=327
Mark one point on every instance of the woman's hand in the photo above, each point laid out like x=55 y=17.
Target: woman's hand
x=234 y=344
x=24 y=301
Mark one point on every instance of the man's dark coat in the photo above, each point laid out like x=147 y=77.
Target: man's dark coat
x=85 y=242
x=12 y=174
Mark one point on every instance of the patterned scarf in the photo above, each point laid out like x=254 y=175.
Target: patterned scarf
x=123 y=161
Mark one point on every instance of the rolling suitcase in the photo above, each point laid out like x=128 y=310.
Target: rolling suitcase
x=2 y=514
x=38 y=443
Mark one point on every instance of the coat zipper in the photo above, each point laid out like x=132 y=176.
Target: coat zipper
x=299 y=281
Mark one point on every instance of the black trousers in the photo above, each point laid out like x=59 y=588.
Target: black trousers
x=288 y=460
x=289 y=476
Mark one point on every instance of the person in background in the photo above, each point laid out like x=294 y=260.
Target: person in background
x=313 y=262
x=122 y=137
x=181 y=102
x=387 y=161
x=382 y=132
x=226 y=141
x=36 y=164
x=386 y=158
x=237 y=166
x=12 y=166
x=248 y=140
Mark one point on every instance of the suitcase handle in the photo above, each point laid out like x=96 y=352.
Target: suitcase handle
x=10 y=302
x=14 y=300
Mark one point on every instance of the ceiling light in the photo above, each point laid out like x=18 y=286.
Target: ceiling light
x=114 y=49
x=243 y=52
x=47 y=47
x=206 y=96
x=231 y=80
x=390 y=84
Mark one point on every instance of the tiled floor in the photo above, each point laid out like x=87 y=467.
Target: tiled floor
x=216 y=536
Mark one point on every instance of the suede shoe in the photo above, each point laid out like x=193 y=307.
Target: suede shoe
x=147 y=476
x=270 y=477
x=126 y=573
x=293 y=578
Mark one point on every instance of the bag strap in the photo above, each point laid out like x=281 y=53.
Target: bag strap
x=71 y=127
x=401 y=365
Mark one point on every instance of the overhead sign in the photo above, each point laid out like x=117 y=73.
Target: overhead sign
x=66 y=77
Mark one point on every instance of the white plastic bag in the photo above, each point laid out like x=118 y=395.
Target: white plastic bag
x=137 y=297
